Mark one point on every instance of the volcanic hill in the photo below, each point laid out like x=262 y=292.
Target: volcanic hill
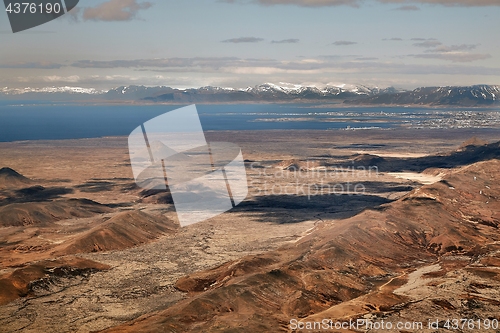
x=446 y=232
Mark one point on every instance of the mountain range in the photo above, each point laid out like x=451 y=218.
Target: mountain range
x=470 y=96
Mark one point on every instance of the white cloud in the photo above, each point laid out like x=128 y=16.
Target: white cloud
x=243 y=40
x=59 y=79
x=115 y=10
x=343 y=43
x=410 y=4
x=286 y=41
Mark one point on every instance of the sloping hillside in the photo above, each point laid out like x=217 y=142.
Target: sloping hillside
x=21 y=282
x=10 y=178
x=45 y=213
x=358 y=267
x=122 y=231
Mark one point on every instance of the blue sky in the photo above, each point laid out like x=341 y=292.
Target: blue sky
x=239 y=43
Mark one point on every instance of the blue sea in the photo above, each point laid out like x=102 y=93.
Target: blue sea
x=28 y=120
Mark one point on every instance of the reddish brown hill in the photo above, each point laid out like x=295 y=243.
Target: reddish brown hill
x=368 y=254
x=156 y=196
x=12 y=179
x=20 y=282
x=122 y=231
x=368 y=159
x=44 y=213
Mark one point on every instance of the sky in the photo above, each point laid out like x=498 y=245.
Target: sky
x=406 y=44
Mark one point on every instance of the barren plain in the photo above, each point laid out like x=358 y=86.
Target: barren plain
x=370 y=224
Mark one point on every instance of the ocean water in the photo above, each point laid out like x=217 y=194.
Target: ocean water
x=23 y=120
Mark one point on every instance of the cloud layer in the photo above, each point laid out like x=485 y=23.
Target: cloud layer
x=455 y=53
x=243 y=40
x=240 y=72
x=343 y=43
x=310 y=3
x=406 y=4
x=264 y=66
x=33 y=65
x=467 y=3
x=408 y=8
x=286 y=41
x=115 y=10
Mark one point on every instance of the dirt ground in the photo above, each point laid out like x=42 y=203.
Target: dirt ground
x=297 y=180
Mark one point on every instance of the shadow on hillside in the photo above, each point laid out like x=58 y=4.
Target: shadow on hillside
x=466 y=156
x=34 y=194
x=298 y=208
x=95 y=186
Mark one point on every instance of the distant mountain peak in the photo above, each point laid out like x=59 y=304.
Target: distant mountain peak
x=51 y=90
x=467 y=96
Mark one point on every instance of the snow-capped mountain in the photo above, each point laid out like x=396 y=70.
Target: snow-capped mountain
x=326 y=90
x=269 y=92
x=51 y=90
x=479 y=95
